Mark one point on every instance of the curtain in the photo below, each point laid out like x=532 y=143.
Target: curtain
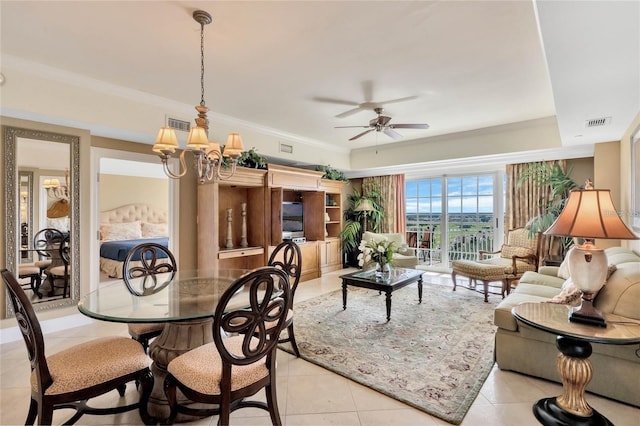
x=527 y=200
x=391 y=189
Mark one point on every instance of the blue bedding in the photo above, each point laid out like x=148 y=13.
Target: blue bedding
x=117 y=250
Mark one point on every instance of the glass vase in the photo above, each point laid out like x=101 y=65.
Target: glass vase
x=383 y=270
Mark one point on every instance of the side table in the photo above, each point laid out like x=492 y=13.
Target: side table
x=552 y=261
x=574 y=343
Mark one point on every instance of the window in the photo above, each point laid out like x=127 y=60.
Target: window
x=460 y=211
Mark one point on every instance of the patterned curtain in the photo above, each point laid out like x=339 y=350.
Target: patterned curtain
x=392 y=191
x=527 y=200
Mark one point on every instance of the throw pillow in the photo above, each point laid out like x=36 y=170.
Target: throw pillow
x=563 y=270
x=508 y=251
x=569 y=295
x=154 y=230
x=121 y=231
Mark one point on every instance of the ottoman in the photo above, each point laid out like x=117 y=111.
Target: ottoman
x=477 y=271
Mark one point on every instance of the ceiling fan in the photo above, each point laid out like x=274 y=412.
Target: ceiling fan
x=381 y=124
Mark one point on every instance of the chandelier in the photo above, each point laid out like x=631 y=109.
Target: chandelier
x=208 y=157
x=55 y=190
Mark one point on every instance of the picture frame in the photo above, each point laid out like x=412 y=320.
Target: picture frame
x=634 y=214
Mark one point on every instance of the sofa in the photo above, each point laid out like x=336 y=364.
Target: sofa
x=521 y=348
x=405 y=257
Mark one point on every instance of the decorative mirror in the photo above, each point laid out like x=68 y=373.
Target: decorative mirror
x=42 y=178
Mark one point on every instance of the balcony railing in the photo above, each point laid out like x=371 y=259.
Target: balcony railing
x=464 y=242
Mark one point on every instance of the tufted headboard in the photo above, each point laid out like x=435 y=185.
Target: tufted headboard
x=134 y=212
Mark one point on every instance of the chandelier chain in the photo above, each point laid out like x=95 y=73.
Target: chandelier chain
x=202 y=64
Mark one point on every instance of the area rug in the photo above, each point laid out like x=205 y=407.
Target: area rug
x=434 y=356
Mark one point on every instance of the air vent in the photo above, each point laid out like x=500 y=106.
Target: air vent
x=286 y=148
x=177 y=124
x=597 y=122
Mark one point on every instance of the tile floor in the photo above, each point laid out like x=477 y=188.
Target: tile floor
x=307 y=394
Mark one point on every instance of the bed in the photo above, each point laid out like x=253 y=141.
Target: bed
x=125 y=227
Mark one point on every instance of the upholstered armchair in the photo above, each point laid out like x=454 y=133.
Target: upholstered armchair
x=404 y=257
x=520 y=254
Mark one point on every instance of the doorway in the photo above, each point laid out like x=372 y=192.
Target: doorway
x=126 y=179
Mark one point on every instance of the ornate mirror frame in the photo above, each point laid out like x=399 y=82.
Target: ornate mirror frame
x=11 y=199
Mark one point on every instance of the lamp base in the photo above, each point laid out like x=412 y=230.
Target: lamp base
x=587 y=314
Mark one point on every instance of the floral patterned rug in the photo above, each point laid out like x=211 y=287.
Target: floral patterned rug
x=434 y=356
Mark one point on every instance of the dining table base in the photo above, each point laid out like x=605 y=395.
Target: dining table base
x=176 y=339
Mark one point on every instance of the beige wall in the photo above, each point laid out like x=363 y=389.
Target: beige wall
x=118 y=190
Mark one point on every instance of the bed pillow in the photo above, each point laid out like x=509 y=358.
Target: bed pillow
x=154 y=230
x=121 y=231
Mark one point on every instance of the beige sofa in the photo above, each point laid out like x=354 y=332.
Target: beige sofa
x=405 y=257
x=616 y=369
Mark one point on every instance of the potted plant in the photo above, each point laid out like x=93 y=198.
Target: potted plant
x=543 y=174
x=252 y=160
x=331 y=173
x=354 y=220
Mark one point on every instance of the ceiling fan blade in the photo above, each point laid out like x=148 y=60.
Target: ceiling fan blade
x=392 y=133
x=393 y=101
x=348 y=113
x=335 y=101
x=409 y=126
x=360 y=134
x=351 y=127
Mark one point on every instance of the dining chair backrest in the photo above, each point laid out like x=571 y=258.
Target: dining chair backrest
x=47 y=239
x=31 y=331
x=143 y=266
x=269 y=301
x=288 y=257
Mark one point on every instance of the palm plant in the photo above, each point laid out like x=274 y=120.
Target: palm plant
x=561 y=184
x=351 y=233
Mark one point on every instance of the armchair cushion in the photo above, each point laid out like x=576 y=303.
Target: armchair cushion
x=509 y=251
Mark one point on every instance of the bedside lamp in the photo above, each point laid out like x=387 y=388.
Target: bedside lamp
x=589 y=214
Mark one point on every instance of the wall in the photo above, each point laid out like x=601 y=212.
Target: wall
x=118 y=190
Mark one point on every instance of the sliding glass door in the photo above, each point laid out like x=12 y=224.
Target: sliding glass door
x=454 y=217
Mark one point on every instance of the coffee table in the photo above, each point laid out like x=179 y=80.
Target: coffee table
x=397 y=278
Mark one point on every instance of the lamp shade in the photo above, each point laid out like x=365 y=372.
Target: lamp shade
x=166 y=140
x=198 y=138
x=590 y=213
x=234 y=146
x=364 y=206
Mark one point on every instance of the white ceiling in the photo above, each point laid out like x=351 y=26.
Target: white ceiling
x=465 y=64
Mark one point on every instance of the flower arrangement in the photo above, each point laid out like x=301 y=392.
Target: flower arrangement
x=378 y=251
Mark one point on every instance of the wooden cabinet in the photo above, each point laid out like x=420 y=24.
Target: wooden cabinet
x=220 y=221
x=330 y=255
x=260 y=195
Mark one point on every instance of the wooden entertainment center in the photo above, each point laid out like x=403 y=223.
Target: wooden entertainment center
x=262 y=192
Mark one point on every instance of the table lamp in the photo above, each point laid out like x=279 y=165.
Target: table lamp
x=589 y=214
x=364 y=206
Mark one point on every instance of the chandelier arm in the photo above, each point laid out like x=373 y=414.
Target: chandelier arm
x=226 y=176
x=182 y=166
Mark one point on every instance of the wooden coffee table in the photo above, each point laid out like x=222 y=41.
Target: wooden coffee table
x=398 y=278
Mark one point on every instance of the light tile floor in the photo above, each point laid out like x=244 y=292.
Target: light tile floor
x=307 y=394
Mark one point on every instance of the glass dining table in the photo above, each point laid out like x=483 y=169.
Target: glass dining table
x=184 y=300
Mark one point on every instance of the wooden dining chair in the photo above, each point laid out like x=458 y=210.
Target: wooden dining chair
x=288 y=257
x=46 y=242
x=144 y=266
x=241 y=360
x=62 y=272
x=69 y=378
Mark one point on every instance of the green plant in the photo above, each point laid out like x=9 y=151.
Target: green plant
x=354 y=220
x=561 y=184
x=252 y=160
x=331 y=173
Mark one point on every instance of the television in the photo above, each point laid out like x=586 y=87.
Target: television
x=292 y=220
